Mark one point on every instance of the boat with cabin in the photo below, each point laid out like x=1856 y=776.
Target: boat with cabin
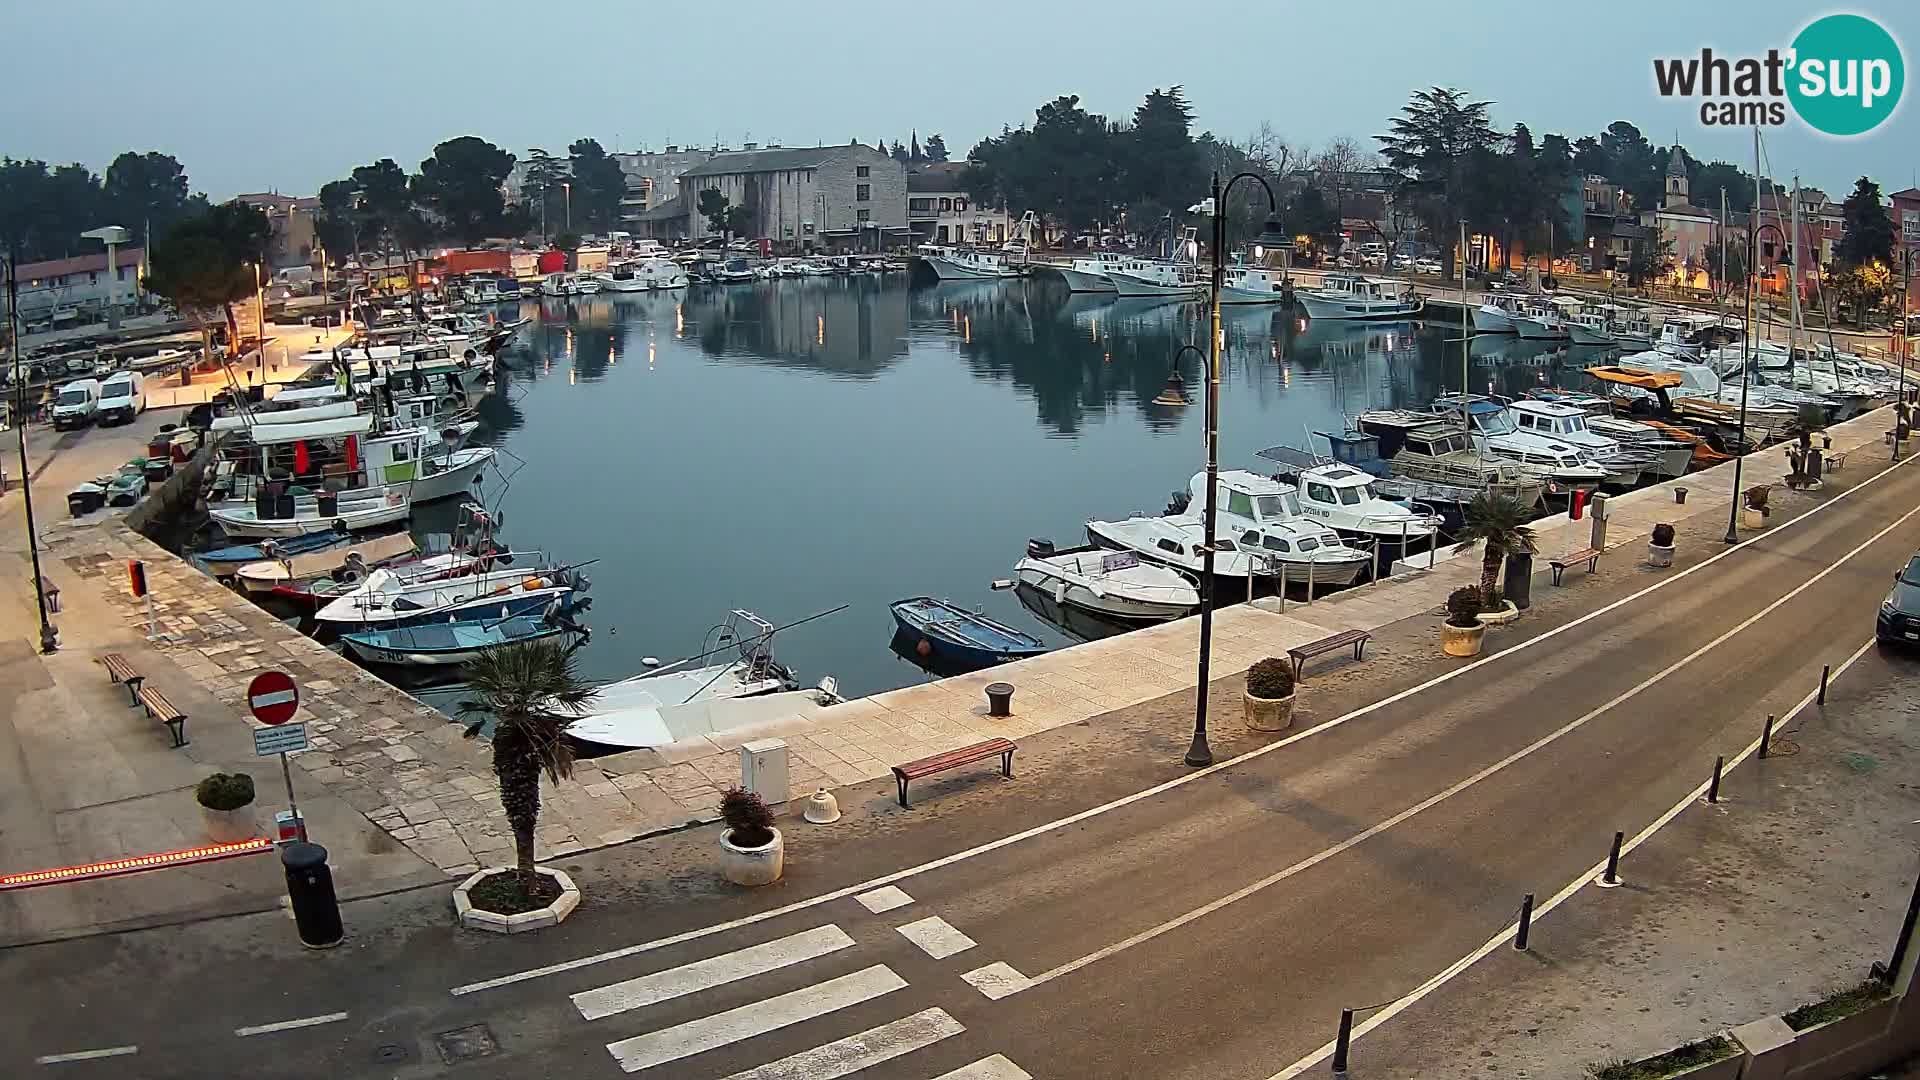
x=1266 y=517
x=1419 y=448
x=1354 y=297
x=1113 y=584
x=1349 y=499
x=1564 y=423
x=1089 y=273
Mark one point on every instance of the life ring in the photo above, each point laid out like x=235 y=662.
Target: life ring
x=924 y=648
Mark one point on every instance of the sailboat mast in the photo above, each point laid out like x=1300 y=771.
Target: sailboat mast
x=1466 y=414
x=1793 y=273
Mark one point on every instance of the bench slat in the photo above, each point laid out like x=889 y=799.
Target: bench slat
x=1328 y=644
x=159 y=708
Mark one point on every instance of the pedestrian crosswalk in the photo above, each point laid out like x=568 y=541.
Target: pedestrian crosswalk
x=611 y=1005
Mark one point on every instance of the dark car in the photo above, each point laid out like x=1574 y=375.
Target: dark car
x=1900 y=612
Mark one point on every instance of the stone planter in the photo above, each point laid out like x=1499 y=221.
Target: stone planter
x=1461 y=640
x=1850 y=1046
x=553 y=914
x=752 y=866
x=230 y=826
x=1659 y=556
x=1268 y=714
x=1502 y=617
x=1752 y=519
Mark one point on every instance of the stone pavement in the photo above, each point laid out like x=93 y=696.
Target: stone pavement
x=283 y=344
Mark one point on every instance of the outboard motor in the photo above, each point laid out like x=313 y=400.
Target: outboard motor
x=1039 y=548
x=1178 y=502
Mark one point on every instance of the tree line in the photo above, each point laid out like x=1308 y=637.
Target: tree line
x=44 y=209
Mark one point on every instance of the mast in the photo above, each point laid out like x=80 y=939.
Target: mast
x=1466 y=338
x=1793 y=273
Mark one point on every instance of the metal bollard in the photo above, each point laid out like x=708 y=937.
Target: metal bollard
x=1766 y=737
x=1713 y=789
x=1825 y=671
x=1526 y=923
x=1612 y=877
x=1342 y=1041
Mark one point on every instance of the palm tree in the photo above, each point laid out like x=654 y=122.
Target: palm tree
x=532 y=693
x=1499 y=522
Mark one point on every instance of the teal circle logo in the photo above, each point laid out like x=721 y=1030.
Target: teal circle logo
x=1847 y=74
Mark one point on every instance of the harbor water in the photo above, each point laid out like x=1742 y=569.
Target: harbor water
x=791 y=446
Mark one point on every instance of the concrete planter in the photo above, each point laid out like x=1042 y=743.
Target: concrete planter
x=553 y=914
x=761 y=865
x=1461 y=640
x=1502 y=617
x=230 y=826
x=1850 y=1046
x=1659 y=556
x=1752 y=519
x=1727 y=1068
x=1268 y=714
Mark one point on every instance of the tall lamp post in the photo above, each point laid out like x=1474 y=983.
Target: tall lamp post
x=1272 y=236
x=1746 y=359
x=568 y=188
x=49 y=638
x=1902 y=416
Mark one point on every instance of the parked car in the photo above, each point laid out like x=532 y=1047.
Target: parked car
x=76 y=404
x=122 y=397
x=1426 y=266
x=1899 y=619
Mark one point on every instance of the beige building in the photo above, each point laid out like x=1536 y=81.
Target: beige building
x=805 y=197
x=941 y=211
x=291 y=218
x=1689 y=233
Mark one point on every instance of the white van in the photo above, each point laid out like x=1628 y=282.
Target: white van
x=76 y=403
x=123 y=397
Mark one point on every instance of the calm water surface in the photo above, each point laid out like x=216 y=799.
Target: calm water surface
x=791 y=446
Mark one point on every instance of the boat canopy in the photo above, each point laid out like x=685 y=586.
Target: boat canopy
x=331 y=411
x=264 y=434
x=1644 y=380
x=293 y=394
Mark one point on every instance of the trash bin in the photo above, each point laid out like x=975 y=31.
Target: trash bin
x=316 y=912
x=1518 y=586
x=329 y=503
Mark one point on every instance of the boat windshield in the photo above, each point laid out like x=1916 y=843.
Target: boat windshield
x=1495 y=423
x=1277 y=506
x=1350 y=496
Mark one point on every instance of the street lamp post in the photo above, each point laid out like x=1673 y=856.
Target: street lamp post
x=1900 y=411
x=49 y=638
x=1746 y=362
x=568 y=188
x=1199 y=754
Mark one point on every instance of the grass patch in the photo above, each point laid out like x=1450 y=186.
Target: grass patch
x=1692 y=1055
x=506 y=893
x=1837 y=1005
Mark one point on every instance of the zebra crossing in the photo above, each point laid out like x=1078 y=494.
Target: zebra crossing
x=772 y=1012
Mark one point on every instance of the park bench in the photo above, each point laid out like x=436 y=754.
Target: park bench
x=1590 y=556
x=122 y=673
x=1356 y=638
x=159 y=708
x=1834 y=460
x=966 y=755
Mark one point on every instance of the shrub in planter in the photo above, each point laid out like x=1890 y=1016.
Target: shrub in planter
x=751 y=849
x=1462 y=633
x=1464 y=605
x=1663 y=534
x=1660 y=546
x=1756 y=498
x=224 y=799
x=1268 y=701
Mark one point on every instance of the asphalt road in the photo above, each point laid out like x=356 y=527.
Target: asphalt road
x=1211 y=927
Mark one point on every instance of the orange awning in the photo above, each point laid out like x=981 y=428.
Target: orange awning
x=1645 y=380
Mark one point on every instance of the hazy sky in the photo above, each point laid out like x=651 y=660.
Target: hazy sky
x=273 y=95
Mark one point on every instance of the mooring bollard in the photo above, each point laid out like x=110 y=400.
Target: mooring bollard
x=1766 y=737
x=1612 y=877
x=1713 y=789
x=1825 y=670
x=1679 y=494
x=1341 y=1041
x=999 y=699
x=1526 y=923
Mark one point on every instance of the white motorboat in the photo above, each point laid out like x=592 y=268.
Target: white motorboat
x=1568 y=424
x=393 y=549
x=1671 y=457
x=1496 y=314
x=734 y=272
x=968 y=264
x=386 y=506
x=1090 y=274
x=560 y=284
x=1264 y=515
x=1354 y=297
x=1421 y=449
x=1629 y=329
x=1344 y=498
x=1152 y=278
x=1175 y=541
x=1539 y=321
x=1253 y=285
x=1115 y=584
x=1584 y=327
x=1495 y=431
x=389 y=597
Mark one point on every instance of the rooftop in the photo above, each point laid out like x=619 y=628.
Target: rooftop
x=80 y=264
x=756 y=161
x=940 y=177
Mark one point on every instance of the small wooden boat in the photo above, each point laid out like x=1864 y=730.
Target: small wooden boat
x=226 y=561
x=449 y=643
x=952 y=634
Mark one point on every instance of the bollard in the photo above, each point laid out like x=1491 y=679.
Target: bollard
x=1825 y=670
x=1679 y=494
x=1612 y=877
x=1341 y=1042
x=999 y=699
x=1526 y=923
x=316 y=912
x=1713 y=788
x=1766 y=737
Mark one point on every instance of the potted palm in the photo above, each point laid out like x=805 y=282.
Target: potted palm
x=1753 y=507
x=1269 y=695
x=1462 y=633
x=1498 y=523
x=225 y=799
x=751 y=849
x=1660 y=546
x=523 y=696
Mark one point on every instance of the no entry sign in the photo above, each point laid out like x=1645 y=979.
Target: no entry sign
x=273 y=697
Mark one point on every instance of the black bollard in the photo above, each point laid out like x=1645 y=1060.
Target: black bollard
x=1766 y=737
x=1612 y=876
x=1825 y=670
x=1341 y=1042
x=1526 y=923
x=316 y=913
x=1713 y=788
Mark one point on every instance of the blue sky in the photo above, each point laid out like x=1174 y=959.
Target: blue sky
x=278 y=95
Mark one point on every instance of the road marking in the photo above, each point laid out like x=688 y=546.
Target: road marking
x=1447 y=974
x=86 y=1055
x=996 y=1067
x=936 y=937
x=722 y=1029
x=996 y=980
x=884 y=899
x=1185 y=778
x=713 y=971
x=288 y=1025
x=843 y=1057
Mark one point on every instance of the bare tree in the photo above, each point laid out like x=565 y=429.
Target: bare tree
x=1272 y=154
x=1337 y=168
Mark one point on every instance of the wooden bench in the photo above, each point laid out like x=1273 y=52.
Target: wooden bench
x=159 y=708
x=966 y=755
x=121 y=673
x=1356 y=638
x=1590 y=556
x=1833 y=460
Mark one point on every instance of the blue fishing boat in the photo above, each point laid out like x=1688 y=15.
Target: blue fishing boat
x=944 y=632
x=447 y=643
x=226 y=561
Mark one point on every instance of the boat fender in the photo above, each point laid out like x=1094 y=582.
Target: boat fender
x=924 y=648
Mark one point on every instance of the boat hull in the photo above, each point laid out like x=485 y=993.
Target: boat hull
x=1491 y=321
x=1126 y=285
x=356 y=518
x=1535 y=330
x=1107 y=604
x=1584 y=335
x=1352 y=310
x=955 y=638
x=948 y=270
x=1084 y=281
x=467 y=466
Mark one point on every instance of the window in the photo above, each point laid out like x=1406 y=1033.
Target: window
x=863 y=192
x=1349 y=497
x=960 y=205
x=809 y=228
x=1320 y=493
x=1223 y=544
x=1278 y=506
x=1250 y=538
x=1239 y=503
x=1168 y=545
x=946 y=205
x=863 y=215
x=1274 y=543
x=920 y=205
x=93 y=277
x=1308 y=543
x=862 y=170
x=124 y=271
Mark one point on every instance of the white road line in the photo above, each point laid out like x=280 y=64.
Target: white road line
x=843 y=1057
x=1449 y=792
x=288 y=1025
x=996 y=1067
x=713 y=971
x=884 y=899
x=1182 y=780
x=996 y=980
x=936 y=937
x=86 y=1055
x=1448 y=973
x=722 y=1029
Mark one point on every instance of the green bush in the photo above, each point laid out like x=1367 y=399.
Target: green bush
x=225 y=791
x=746 y=814
x=1835 y=1006
x=1464 y=605
x=1270 y=678
x=1692 y=1055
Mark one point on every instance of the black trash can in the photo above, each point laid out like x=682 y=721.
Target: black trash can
x=316 y=912
x=1518 y=586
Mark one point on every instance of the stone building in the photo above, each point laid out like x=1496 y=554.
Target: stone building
x=850 y=197
x=292 y=221
x=1689 y=232
x=941 y=211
